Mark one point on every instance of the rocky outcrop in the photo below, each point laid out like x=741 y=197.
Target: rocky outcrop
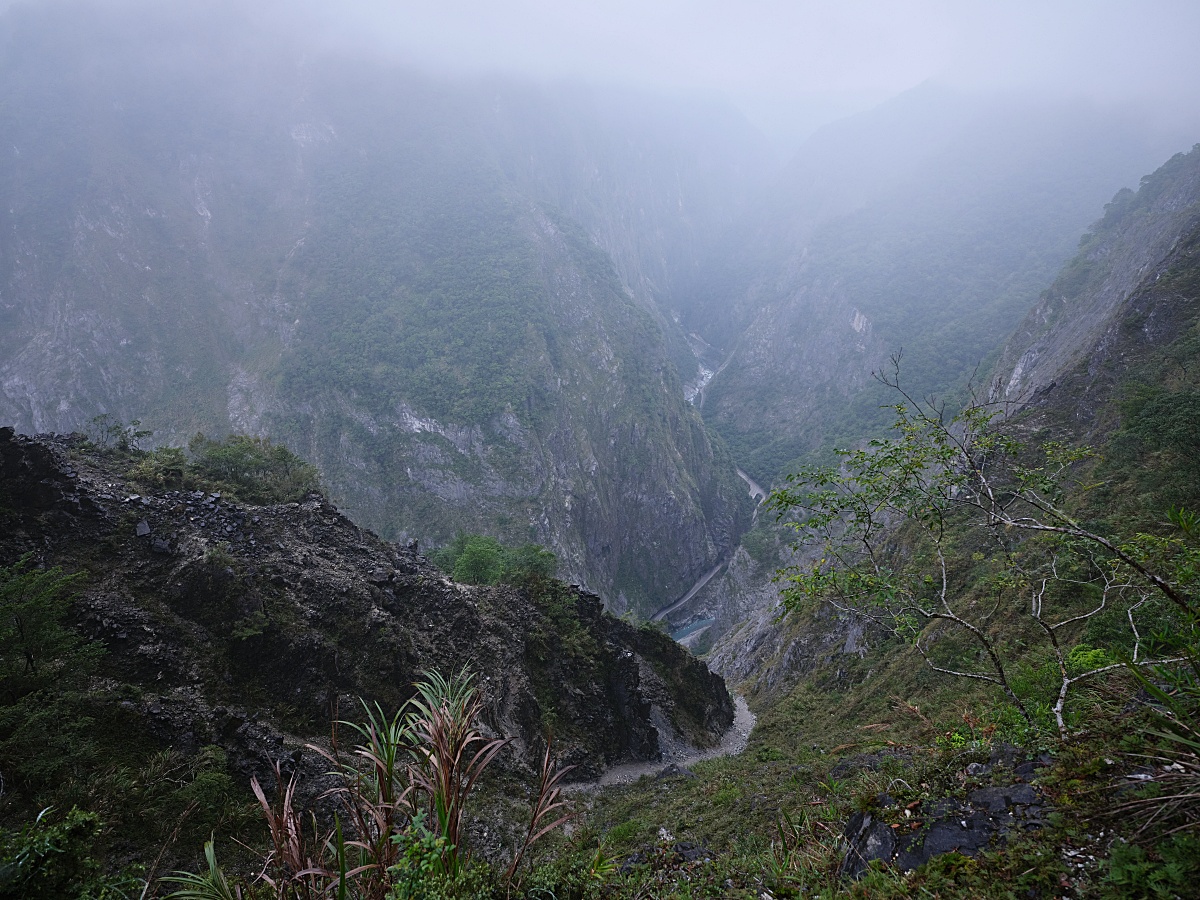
x=252 y=627
x=1000 y=803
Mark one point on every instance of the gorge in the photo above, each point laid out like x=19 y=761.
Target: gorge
x=610 y=328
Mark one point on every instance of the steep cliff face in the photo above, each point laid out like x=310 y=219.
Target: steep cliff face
x=349 y=258
x=1126 y=291
x=249 y=627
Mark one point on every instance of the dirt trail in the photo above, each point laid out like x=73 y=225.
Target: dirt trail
x=732 y=742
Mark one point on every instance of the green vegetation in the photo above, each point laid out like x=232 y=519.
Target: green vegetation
x=45 y=720
x=248 y=469
x=252 y=469
x=1076 y=542
x=480 y=559
x=56 y=858
x=403 y=792
x=762 y=543
x=987 y=529
x=66 y=745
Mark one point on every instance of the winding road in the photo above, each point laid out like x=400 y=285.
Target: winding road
x=671 y=607
x=756 y=490
x=756 y=493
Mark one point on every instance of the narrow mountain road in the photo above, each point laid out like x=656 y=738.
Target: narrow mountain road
x=756 y=490
x=671 y=607
x=757 y=493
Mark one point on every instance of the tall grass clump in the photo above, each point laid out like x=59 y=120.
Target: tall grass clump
x=401 y=797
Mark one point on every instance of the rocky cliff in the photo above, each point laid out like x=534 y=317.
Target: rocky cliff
x=251 y=627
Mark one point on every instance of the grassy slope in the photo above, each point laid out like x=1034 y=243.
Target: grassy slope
x=1137 y=398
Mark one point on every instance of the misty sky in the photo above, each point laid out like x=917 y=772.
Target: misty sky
x=789 y=64
x=775 y=57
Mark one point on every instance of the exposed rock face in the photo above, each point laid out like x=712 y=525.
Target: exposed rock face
x=251 y=626
x=765 y=656
x=373 y=271
x=1115 y=299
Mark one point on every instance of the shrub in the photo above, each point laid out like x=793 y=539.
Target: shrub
x=253 y=469
x=481 y=559
x=55 y=859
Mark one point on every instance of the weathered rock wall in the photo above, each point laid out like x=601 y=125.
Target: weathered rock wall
x=252 y=627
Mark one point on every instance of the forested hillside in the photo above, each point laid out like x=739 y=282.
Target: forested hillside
x=928 y=225
x=222 y=236
x=368 y=428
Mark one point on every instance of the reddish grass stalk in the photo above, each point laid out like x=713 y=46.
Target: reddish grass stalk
x=296 y=870
x=549 y=798
x=376 y=802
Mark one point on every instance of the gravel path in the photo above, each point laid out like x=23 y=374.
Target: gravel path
x=732 y=742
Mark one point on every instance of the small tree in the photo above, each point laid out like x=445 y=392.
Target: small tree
x=528 y=563
x=109 y=432
x=35 y=643
x=895 y=521
x=481 y=561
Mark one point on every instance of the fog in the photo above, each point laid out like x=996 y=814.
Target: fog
x=792 y=65
x=789 y=66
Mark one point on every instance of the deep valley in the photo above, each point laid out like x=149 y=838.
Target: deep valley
x=420 y=481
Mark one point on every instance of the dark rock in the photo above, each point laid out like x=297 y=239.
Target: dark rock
x=688 y=852
x=943 y=825
x=683 y=853
x=968 y=835
x=998 y=799
x=868 y=838
x=1007 y=755
x=328 y=640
